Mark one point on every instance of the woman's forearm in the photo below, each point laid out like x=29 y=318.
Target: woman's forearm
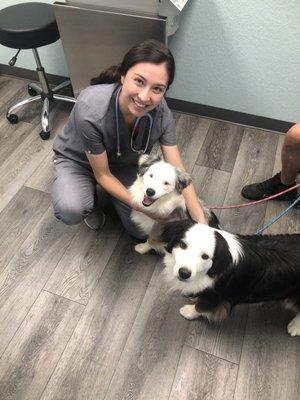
x=115 y=188
x=193 y=204
x=107 y=180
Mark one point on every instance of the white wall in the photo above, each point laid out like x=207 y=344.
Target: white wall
x=233 y=54
x=240 y=55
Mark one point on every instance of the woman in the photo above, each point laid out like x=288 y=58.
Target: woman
x=113 y=121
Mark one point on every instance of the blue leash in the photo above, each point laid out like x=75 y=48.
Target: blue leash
x=259 y=232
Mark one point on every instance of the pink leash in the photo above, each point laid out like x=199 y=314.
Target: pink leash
x=251 y=203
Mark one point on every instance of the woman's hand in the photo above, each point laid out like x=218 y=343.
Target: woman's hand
x=161 y=218
x=154 y=215
x=157 y=217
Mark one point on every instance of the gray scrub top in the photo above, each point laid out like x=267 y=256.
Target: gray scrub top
x=92 y=128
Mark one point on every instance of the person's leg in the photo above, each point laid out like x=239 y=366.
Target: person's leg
x=285 y=179
x=73 y=193
x=290 y=155
x=124 y=212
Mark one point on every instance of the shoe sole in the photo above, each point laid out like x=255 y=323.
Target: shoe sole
x=92 y=227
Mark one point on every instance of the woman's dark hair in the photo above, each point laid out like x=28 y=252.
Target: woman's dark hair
x=146 y=51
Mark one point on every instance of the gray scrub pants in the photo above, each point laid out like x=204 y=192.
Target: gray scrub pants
x=75 y=194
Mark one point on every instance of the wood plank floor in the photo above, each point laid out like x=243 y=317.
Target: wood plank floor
x=83 y=316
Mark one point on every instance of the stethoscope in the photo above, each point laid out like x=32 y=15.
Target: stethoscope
x=118 y=153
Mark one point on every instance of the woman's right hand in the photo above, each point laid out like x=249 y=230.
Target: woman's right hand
x=157 y=217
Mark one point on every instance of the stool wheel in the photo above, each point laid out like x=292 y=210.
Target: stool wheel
x=32 y=92
x=12 y=118
x=45 y=135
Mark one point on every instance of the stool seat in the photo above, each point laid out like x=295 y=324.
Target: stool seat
x=28 y=26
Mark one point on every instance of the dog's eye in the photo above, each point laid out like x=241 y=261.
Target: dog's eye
x=182 y=245
x=166 y=183
x=205 y=256
x=151 y=175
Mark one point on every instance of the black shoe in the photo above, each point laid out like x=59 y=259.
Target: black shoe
x=95 y=220
x=258 y=191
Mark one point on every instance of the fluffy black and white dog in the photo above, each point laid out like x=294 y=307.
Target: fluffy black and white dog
x=158 y=189
x=221 y=270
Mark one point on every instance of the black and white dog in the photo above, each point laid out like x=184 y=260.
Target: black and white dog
x=158 y=189
x=221 y=270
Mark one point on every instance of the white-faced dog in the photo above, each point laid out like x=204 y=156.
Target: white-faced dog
x=158 y=189
x=221 y=270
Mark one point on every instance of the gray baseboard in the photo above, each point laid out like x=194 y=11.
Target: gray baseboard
x=29 y=74
x=229 y=115
x=177 y=105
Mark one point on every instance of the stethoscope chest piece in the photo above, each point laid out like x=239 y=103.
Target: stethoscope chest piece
x=141 y=151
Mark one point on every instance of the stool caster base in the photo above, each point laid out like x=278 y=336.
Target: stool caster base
x=45 y=135
x=31 y=91
x=12 y=118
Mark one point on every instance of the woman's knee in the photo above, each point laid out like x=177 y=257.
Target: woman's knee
x=71 y=213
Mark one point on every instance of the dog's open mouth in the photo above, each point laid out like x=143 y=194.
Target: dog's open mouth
x=147 y=201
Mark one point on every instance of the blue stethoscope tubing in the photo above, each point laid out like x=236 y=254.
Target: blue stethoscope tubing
x=119 y=154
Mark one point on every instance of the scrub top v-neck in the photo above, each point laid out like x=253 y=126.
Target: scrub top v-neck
x=138 y=136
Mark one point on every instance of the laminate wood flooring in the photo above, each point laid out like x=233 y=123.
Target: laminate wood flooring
x=83 y=316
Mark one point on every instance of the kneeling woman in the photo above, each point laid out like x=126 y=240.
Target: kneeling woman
x=113 y=121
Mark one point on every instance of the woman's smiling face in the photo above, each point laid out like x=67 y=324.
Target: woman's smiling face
x=143 y=88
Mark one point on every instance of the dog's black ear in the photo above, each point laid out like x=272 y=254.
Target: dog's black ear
x=169 y=247
x=222 y=257
x=145 y=161
x=183 y=180
x=213 y=220
x=174 y=232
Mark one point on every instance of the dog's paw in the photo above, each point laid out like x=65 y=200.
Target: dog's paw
x=189 y=312
x=293 y=327
x=142 y=248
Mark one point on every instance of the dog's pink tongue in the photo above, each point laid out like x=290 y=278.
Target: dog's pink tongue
x=147 y=201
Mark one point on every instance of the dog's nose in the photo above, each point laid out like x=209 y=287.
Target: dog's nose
x=150 y=192
x=184 y=273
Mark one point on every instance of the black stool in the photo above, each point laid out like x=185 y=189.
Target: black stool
x=28 y=26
